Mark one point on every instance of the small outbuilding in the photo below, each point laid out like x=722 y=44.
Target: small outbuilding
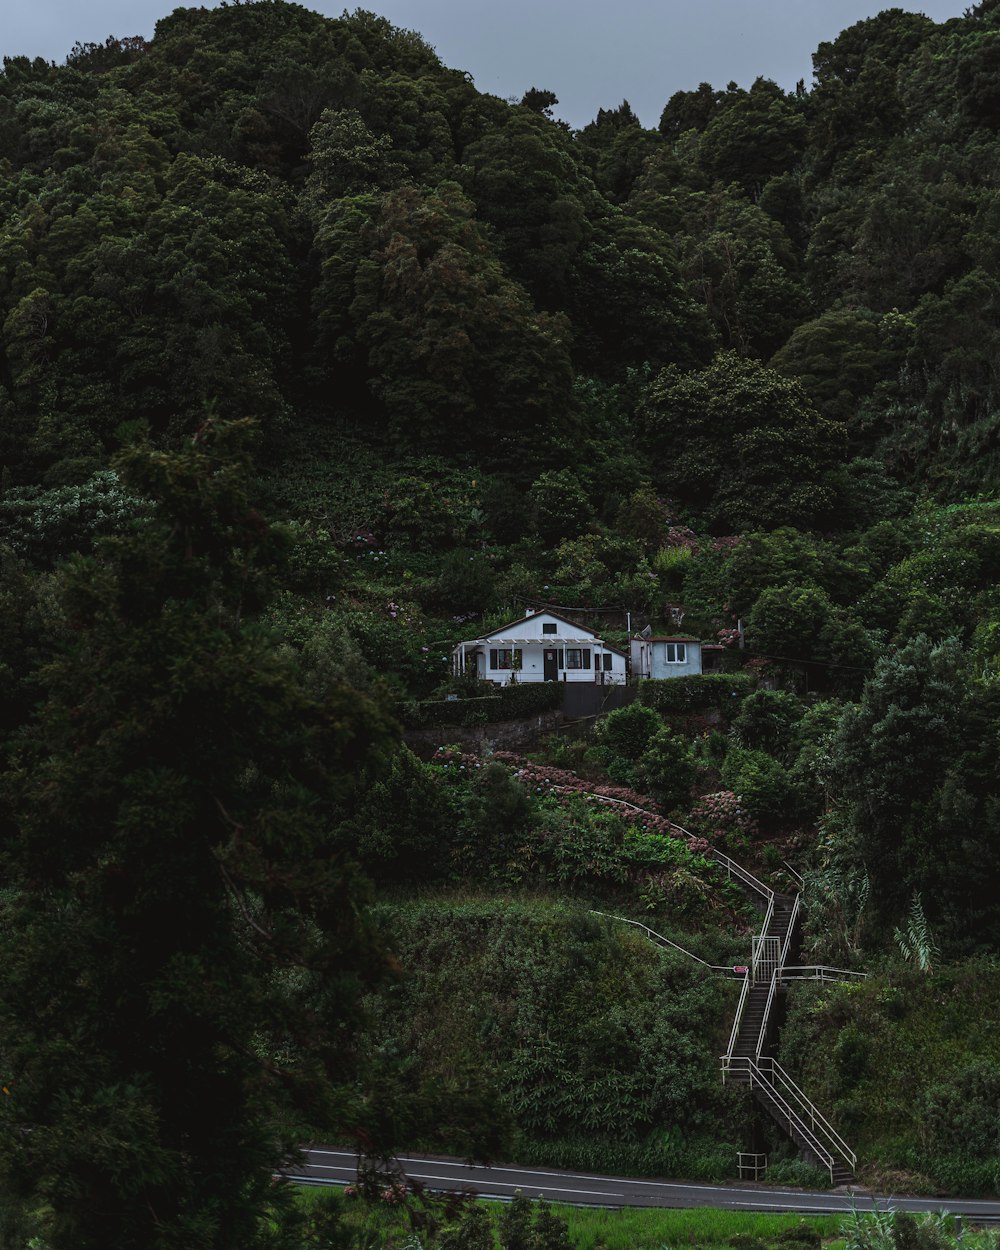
x=541 y=646
x=663 y=656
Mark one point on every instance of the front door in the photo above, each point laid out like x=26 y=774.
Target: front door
x=550 y=664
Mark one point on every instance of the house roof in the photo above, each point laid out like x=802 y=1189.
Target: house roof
x=586 y=634
x=666 y=638
x=541 y=612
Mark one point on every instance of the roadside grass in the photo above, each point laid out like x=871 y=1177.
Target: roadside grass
x=637 y=1228
x=596 y=1228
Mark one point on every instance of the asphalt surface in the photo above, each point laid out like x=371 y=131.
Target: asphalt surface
x=330 y=1166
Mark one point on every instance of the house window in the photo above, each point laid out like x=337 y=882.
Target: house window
x=675 y=652
x=577 y=657
x=608 y=662
x=505 y=659
x=549 y=627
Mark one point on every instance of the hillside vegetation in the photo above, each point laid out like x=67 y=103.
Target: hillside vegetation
x=316 y=360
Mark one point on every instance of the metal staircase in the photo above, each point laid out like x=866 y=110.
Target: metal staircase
x=747 y=1061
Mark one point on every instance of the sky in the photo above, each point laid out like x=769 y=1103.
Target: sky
x=592 y=53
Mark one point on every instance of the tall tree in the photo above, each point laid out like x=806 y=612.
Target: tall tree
x=741 y=445
x=180 y=942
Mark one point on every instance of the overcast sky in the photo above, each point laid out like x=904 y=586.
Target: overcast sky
x=591 y=53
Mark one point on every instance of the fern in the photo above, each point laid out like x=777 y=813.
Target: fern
x=916 y=943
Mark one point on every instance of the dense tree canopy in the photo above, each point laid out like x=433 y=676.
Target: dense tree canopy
x=736 y=375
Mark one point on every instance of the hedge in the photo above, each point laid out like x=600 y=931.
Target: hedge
x=530 y=699
x=689 y=694
x=509 y=703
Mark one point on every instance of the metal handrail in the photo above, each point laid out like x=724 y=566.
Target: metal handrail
x=765 y=1019
x=817 y=1119
x=658 y=937
x=727 y=1057
x=820 y=972
x=731 y=866
x=793 y=917
x=815 y=1145
x=763 y=1071
x=796 y=876
x=759 y=1066
x=736 y=870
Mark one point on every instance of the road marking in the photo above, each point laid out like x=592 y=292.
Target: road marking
x=624 y=1181
x=470 y=1174
x=554 y=1189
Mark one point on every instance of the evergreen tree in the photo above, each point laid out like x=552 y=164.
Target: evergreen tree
x=181 y=946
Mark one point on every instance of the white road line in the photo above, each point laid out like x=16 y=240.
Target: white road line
x=553 y=1189
x=466 y=1168
x=470 y=1172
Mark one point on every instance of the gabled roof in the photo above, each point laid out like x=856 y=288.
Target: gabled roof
x=541 y=612
x=585 y=633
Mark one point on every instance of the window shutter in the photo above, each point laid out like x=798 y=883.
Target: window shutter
x=494 y=659
x=561 y=657
x=586 y=657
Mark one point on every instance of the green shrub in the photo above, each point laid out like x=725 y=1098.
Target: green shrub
x=506 y=703
x=962 y=1114
x=697 y=693
x=627 y=731
x=530 y=699
x=665 y=771
x=762 y=784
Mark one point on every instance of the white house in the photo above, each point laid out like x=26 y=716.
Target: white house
x=541 y=646
x=667 y=655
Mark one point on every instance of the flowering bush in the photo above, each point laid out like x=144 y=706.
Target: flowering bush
x=723 y=819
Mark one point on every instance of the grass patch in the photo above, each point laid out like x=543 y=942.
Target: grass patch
x=638 y=1227
x=595 y=1228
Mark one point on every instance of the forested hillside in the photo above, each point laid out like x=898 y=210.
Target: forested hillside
x=316 y=360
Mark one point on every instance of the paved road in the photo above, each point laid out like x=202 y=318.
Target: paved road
x=331 y=1166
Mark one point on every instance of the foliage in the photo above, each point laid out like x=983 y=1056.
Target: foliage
x=905 y=764
x=891 y=1059
x=177 y=884
x=665 y=770
x=628 y=731
x=45 y=525
x=584 y=1028
x=767 y=721
x=761 y=784
x=916 y=942
x=705 y=690
x=509 y=702
x=742 y=366
x=743 y=439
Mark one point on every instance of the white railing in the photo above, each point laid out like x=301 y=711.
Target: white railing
x=792 y=920
x=765 y=957
x=820 y=972
x=764 y=1072
x=796 y=876
x=728 y=1056
x=665 y=941
x=794 y=1119
x=818 y=1123
x=733 y=869
x=799 y=1114
x=765 y=1019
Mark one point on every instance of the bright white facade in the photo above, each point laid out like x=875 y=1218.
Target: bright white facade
x=667 y=656
x=542 y=646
